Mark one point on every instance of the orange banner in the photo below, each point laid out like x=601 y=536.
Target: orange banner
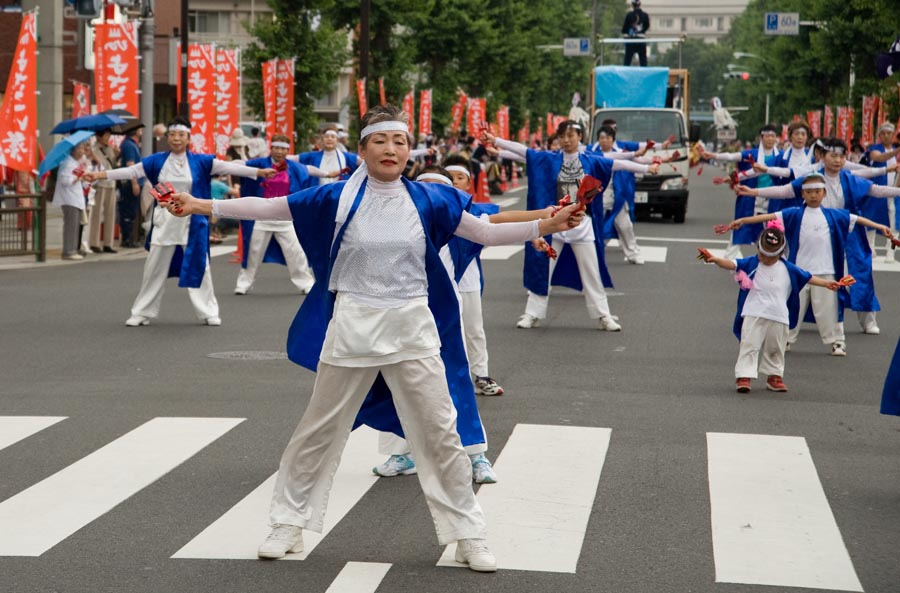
x=18 y=114
x=457 y=113
x=381 y=91
x=201 y=96
x=477 y=115
x=551 y=124
x=868 y=114
x=425 y=112
x=844 y=124
x=228 y=96
x=116 y=71
x=814 y=118
x=409 y=106
x=502 y=116
x=284 y=98
x=361 y=96
x=829 y=122
x=268 y=80
x=81 y=99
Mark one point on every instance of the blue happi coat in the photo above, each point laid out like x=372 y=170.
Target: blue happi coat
x=543 y=171
x=890 y=395
x=463 y=251
x=876 y=209
x=440 y=209
x=345 y=159
x=189 y=261
x=745 y=206
x=300 y=179
x=799 y=278
x=858 y=252
x=783 y=161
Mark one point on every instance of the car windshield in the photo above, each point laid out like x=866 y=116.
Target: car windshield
x=639 y=126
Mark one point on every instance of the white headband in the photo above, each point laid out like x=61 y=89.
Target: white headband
x=459 y=169
x=280 y=145
x=179 y=128
x=384 y=126
x=769 y=253
x=818 y=185
x=434 y=177
x=330 y=133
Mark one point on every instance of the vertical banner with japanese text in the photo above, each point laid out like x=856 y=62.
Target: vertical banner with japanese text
x=116 y=71
x=551 y=123
x=524 y=132
x=456 y=113
x=882 y=112
x=409 y=107
x=502 y=116
x=425 y=112
x=814 y=118
x=784 y=130
x=268 y=80
x=381 y=97
x=476 y=116
x=228 y=96
x=829 y=122
x=844 y=124
x=284 y=98
x=868 y=114
x=361 y=96
x=81 y=99
x=201 y=96
x=18 y=114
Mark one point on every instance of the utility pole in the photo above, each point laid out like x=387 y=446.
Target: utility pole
x=364 y=39
x=50 y=73
x=184 y=107
x=148 y=31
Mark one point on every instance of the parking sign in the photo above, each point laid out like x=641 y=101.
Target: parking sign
x=576 y=46
x=782 y=23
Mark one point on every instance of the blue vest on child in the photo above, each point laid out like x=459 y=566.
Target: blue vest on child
x=799 y=278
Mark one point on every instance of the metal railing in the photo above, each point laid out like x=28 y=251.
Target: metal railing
x=23 y=225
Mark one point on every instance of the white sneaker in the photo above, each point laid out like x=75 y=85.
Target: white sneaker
x=396 y=465
x=240 y=290
x=787 y=347
x=476 y=554
x=283 y=539
x=482 y=471
x=636 y=260
x=872 y=330
x=608 y=324
x=213 y=321
x=73 y=257
x=527 y=321
x=838 y=349
x=136 y=320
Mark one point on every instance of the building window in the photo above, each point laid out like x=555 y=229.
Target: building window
x=666 y=23
x=720 y=23
x=209 y=22
x=703 y=23
x=328 y=101
x=683 y=24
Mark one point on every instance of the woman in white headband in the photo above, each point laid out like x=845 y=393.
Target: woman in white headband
x=330 y=159
x=768 y=305
x=178 y=246
x=381 y=318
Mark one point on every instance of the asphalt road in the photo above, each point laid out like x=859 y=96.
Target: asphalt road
x=660 y=385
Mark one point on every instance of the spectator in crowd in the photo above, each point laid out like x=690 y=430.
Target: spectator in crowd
x=69 y=196
x=103 y=214
x=256 y=145
x=130 y=189
x=636 y=25
x=159 y=138
x=237 y=146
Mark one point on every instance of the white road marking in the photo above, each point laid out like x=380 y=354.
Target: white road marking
x=650 y=254
x=500 y=252
x=771 y=522
x=15 y=428
x=359 y=577
x=698 y=242
x=506 y=202
x=38 y=518
x=538 y=512
x=238 y=533
x=217 y=250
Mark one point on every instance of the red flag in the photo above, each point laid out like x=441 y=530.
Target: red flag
x=523 y=133
x=868 y=114
x=425 y=112
x=829 y=122
x=503 y=122
x=381 y=91
x=116 y=73
x=851 y=117
x=201 y=96
x=18 y=114
x=476 y=116
x=409 y=106
x=228 y=97
x=551 y=123
x=844 y=124
x=81 y=99
x=784 y=130
x=457 y=113
x=815 y=122
x=284 y=99
x=361 y=96
x=268 y=76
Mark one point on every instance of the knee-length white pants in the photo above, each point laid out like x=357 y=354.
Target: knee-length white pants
x=825 y=307
x=589 y=270
x=423 y=403
x=761 y=337
x=298 y=267
x=153 y=285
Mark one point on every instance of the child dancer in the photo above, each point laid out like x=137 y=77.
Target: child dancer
x=768 y=305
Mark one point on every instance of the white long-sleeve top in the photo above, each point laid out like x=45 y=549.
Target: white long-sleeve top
x=136 y=171
x=620 y=164
x=834 y=193
x=68 y=190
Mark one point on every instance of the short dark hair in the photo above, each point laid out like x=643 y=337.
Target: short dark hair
x=438 y=170
x=180 y=120
x=608 y=130
x=608 y=122
x=569 y=123
x=459 y=161
x=768 y=128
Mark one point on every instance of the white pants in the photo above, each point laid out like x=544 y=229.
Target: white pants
x=589 y=270
x=153 y=285
x=625 y=229
x=422 y=399
x=301 y=275
x=761 y=335
x=825 y=307
x=473 y=331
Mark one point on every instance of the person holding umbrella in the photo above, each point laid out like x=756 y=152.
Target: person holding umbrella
x=178 y=246
x=69 y=156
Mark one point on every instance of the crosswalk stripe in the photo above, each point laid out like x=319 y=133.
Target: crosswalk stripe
x=500 y=252
x=217 y=250
x=771 y=522
x=15 y=428
x=649 y=254
x=38 y=518
x=238 y=533
x=359 y=577
x=538 y=512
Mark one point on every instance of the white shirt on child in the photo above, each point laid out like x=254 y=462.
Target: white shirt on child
x=814 y=253
x=768 y=297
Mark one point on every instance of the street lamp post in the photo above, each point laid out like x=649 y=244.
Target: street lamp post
x=742 y=54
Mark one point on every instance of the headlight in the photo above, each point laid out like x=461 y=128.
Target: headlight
x=673 y=183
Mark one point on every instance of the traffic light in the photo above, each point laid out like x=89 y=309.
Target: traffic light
x=738 y=75
x=88 y=9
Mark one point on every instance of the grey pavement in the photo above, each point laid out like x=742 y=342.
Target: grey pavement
x=660 y=385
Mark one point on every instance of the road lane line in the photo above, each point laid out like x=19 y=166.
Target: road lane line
x=538 y=512
x=649 y=254
x=15 y=428
x=771 y=522
x=38 y=518
x=500 y=252
x=359 y=577
x=238 y=533
x=698 y=242
x=506 y=202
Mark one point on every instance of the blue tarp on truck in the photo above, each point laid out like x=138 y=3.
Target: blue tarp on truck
x=625 y=86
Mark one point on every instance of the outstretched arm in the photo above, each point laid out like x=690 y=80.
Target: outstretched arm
x=184 y=204
x=736 y=224
x=883 y=229
x=481 y=231
x=707 y=257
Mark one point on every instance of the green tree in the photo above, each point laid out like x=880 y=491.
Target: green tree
x=298 y=31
